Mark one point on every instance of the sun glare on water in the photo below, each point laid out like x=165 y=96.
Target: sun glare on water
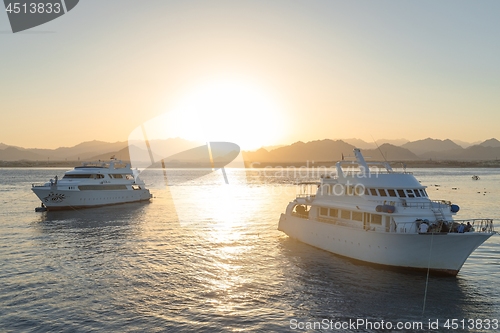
x=231 y=111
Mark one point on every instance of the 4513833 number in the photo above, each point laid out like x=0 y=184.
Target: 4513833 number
x=33 y=8
x=471 y=324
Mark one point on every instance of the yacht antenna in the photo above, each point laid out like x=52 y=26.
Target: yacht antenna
x=380 y=150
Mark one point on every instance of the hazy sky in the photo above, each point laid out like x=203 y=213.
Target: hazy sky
x=290 y=70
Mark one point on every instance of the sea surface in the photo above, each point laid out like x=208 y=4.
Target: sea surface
x=206 y=256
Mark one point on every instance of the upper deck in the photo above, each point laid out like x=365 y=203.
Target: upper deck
x=371 y=174
x=113 y=166
x=96 y=173
x=364 y=186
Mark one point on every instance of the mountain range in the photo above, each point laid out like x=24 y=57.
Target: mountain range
x=334 y=150
x=299 y=152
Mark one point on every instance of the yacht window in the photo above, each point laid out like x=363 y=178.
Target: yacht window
x=425 y=193
x=117 y=176
x=410 y=193
x=323 y=211
x=129 y=177
x=376 y=219
x=392 y=193
x=78 y=176
x=357 y=216
x=367 y=192
x=136 y=187
x=402 y=193
x=373 y=192
x=417 y=193
x=382 y=192
x=345 y=214
x=334 y=212
x=101 y=187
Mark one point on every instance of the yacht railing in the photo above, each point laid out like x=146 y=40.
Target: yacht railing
x=305 y=195
x=477 y=225
x=433 y=204
x=39 y=185
x=375 y=172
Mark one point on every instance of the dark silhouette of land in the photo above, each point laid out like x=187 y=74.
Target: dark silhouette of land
x=421 y=153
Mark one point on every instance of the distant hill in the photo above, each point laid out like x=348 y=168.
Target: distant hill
x=85 y=150
x=358 y=143
x=269 y=148
x=82 y=151
x=479 y=152
x=490 y=143
x=391 y=153
x=17 y=154
x=473 y=153
x=394 y=142
x=430 y=145
x=361 y=144
x=260 y=155
x=299 y=152
x=95 y=150
x=465 y=144
x=325 y=151
x=122 y=154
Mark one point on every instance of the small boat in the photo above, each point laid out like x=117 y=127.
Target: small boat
x=92 y=185
x=374 y=214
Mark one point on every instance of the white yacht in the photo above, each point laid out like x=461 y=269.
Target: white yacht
x=92 y=185
x=374 y=214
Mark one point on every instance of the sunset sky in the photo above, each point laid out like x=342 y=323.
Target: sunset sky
x=254 y=72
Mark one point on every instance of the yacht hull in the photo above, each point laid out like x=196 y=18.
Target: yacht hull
x=55 y=199
x=440 y=253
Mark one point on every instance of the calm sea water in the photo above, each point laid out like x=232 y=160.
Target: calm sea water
x=207 y=257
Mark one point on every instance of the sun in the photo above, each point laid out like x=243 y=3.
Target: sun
x=232 y=111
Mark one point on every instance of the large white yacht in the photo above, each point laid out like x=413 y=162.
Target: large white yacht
x=373 y=214
x=92 y=185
